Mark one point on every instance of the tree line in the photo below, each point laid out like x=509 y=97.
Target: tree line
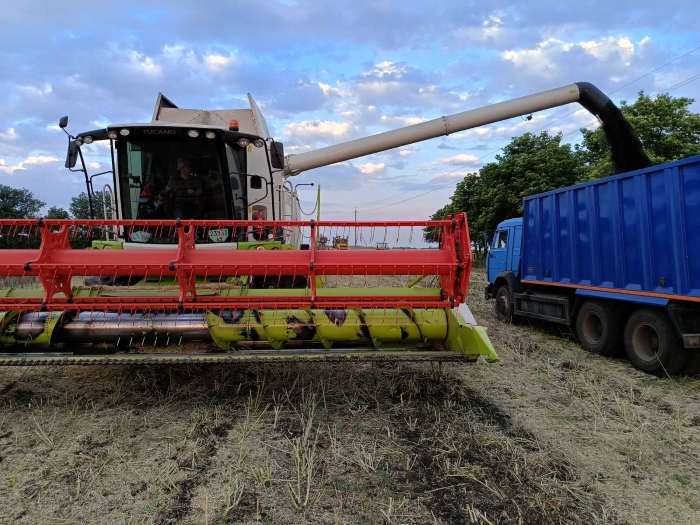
x=20 y=203
x=532 y=164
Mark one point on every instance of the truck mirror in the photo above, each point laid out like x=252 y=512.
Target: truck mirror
x=63 y=122
x=277 y=155
x=256 y=182
x=487 y=241
x=72 y=156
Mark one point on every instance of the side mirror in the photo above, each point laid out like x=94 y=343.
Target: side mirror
x=72 y=156
x=63 y=122
x=277 y=155
x=487 y=241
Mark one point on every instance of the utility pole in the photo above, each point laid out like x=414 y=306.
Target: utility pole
x=355 y=227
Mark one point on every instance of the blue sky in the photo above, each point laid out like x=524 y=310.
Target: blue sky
x=323 y=73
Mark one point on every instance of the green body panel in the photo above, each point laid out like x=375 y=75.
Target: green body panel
x=268 y=245
x=380 y=328
x=43 y=338
x=469 y=340
x=108 y=245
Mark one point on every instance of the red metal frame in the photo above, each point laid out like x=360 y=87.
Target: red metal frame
x=55 y=263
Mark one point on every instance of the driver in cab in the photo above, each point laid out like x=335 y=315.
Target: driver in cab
x=185 y=191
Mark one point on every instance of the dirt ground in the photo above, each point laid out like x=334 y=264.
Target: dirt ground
x=549 y=435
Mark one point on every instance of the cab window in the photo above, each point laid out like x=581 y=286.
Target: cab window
x=500 y=241
x=152 y=185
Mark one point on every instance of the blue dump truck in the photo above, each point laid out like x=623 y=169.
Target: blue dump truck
x=616 y=259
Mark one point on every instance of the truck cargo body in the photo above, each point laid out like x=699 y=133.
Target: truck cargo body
x=626 y=244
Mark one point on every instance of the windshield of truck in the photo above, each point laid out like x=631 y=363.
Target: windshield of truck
x=171 y=180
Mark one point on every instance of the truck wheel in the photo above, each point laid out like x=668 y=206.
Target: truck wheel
x=597 y=328
x=504 y=304
x=652 y=344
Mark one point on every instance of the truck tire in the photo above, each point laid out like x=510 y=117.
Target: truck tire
x=503 y=305
x=598 y=330
x=652 y=344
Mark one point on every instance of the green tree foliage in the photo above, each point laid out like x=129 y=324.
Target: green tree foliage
x=57 y=213
x=18 y=203
x=533 y=164
x=21 y=204
x=529 y=164
x=80 y=207
x=665 y=125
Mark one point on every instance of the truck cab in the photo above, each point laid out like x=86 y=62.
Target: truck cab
x=503 y=259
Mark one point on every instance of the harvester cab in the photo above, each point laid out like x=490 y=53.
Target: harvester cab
x=192 y=165
x=207 y=244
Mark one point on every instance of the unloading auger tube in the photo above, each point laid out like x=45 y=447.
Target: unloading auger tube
x=627 y=151
x=338 y=305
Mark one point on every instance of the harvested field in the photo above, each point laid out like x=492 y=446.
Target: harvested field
x=549 y=435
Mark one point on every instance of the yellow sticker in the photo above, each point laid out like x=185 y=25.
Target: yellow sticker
x=250 y=209
x=250 y=148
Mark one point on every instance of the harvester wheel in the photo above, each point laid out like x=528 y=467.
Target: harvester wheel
x=652 y=344
x=598 y=329
x=504 y=304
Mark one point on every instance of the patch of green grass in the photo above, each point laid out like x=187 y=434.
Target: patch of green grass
x=683 y=481
x=346 y=484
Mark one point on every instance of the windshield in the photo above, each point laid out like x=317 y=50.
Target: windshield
x=172 y=179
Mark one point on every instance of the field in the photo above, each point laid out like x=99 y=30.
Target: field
x=549 y=435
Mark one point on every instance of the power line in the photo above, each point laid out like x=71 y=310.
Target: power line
x=680 y=84
x=535 y=131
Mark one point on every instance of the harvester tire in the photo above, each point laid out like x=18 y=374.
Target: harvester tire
x=598 y=329
x=503 y=305
x=652 y=344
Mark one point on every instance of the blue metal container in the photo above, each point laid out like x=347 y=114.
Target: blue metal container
x=638 y=232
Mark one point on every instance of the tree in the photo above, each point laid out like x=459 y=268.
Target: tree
x=57 y=213
x=80 y=207
x=18 y=203
x=529 y=164
x=665 y=125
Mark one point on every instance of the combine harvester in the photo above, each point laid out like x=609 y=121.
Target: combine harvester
x=203 y=250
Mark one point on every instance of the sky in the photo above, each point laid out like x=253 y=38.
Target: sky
x=326 y=72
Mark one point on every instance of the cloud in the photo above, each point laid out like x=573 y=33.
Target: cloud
x=37 y=91
x=462 y=158
x=370 y=168
x=550 y=55
x=9 y=136
x=94 y=165
x=368 y=65
x=329 y=90
x=491 y=27
x=405 y=152
x=141 y=63
x=217 y=62
x=21 y=165
x=317 y=130
x=402 y=121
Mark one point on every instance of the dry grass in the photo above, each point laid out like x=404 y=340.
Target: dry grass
x=550 y=435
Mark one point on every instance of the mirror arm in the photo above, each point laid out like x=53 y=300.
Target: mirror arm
x=267 y=187
x=88 y=183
